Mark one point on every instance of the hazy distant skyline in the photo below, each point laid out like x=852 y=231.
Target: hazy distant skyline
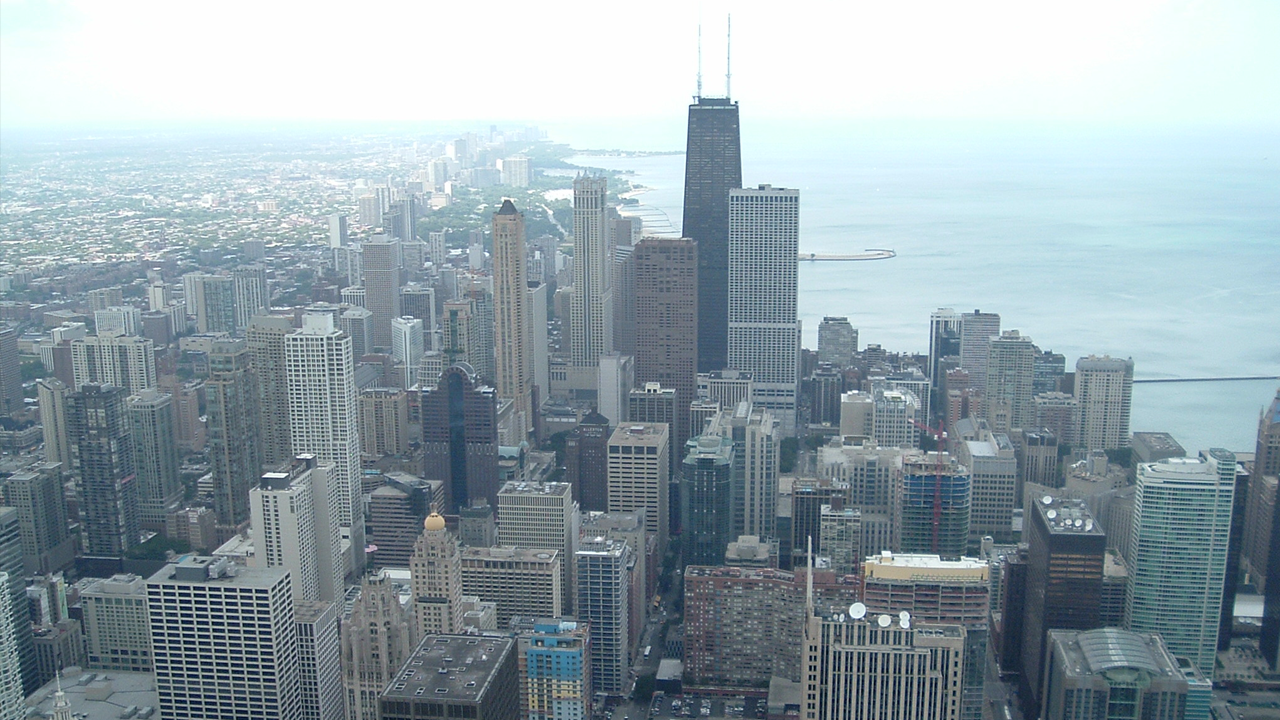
x=91 y=65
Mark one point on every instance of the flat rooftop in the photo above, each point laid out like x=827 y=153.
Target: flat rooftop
x=450 y=668
x=100 y=694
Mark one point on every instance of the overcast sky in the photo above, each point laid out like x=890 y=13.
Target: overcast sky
x=91 y=64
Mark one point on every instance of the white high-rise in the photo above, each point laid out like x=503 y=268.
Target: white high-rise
x=124 y=361
x=407 y=346
x=591 y=306
x=543 y=516
x=117 y=320
x=1104 y=393
x=324 y=413
x=1179 y=537
x=976 y=330
x=764 y=334
x=296 y=526
x=1010 y=371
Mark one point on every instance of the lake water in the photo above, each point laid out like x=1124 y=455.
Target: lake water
x=1160 y=247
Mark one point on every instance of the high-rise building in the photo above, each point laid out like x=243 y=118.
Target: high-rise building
x=1267 y=528
x=1231 y=471
x=554 y=662
x=117 y=321
x=520 y=582
x=1182 y=509
x=295 y=526
x=338 y=231
x=586 y=452
x=10 y=372
x=512 y=332
x=666 y=332
x=1112 y=673
x=639 y=473
x=539 y=347
x=155 y=454
x=357 y=323
x=871 y=475
x=98 y=426
x=482 y=685
x=11 y=690
x=893 y=417
x=976 y=330
x=232 y=396
x=116 y=625
x=624 y=286
x=211 y=298
x=615 y=381
x=378 y=634
x=198 y=653
x=1267 y=457
x=713 y=166
x=933 y=506
x=840 y=531
x=944 y=342
x=319 y=661
x=323 y=413
x=419 y=301
x=1010 y=373
x=591 y=309
x=706 y=499
x=384 y=421
x=459 y=332
x=407 y=346
x=764 y=334
x=1048 y=370
x=517 y=171
x=436 y=568
x=993 y=470
x=460 y=437
x=1104 y=391
x=542 y=516
x=125 y=361
x=1063 y=587
x=37 y=495
x=52 y=395
x=837 y=341
x=265 y=338
x=604 y=594
x=15 y=599
x=382 y=286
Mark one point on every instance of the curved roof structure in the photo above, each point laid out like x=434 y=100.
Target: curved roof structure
x=1109 y=648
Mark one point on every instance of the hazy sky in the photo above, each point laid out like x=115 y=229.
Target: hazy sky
x=91 y=64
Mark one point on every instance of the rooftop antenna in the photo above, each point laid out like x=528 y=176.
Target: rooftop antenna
x=699 y=95
x=728 y=40
x=808 y=581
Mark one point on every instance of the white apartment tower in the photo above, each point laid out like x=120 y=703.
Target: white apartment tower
x=591 y=305
x=296 y=526
x=1010 y=371
x=206 y=663
x=976 y=330
x=512 y=340
x=764 y=334
x=542 y=516
x=436 y=569
x=324 y=414
x=125 y=361
x=1104 y=393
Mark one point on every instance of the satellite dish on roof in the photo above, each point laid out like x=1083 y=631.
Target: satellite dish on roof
x=904 y=616
x=1051 y=514
x=905 y=623
x=883 y=621
x=1088 y=525
x=857 y=611
x=1047 y=499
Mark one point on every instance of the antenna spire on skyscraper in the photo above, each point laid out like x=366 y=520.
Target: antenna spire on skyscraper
x=727 y=43
x=699 y=93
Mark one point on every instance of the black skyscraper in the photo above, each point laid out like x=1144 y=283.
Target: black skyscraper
x=460 y=437
x=713 y=166
x=99 y=428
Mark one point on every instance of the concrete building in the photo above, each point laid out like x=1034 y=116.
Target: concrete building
x=384 y=421
x=319 y=661
x=512 y=333
x=407 y=346
x=1104 y=391
x=195 y=653
x=604 y=594
x=265 y=339
x=52 y=396
x=377 y=635
x=482 y=683
x=297 y=527
x=993 y=469
x=116 y=625
x=554 y=666
x=37 y=495
x=1111 y=673
x=976 y=330
x=764 y=333
x=837 y=341
x=436 y=570
x=124 y=361
x=234 y=436
x=155 y=453
x=616 y=380
x=520 y=582
x=542 y=516
x=98 y=425
x=1010 y=377
x=11 y=690
x=117 y=321
x=591 y=305
x=639 y=472
x=382 y=282
x=357 y=323
x=840 y=530
x=871 y=475
x=666 y=332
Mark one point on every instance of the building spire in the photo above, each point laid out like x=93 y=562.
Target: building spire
x=61 y=706
x=727 y=43
x=698 y=95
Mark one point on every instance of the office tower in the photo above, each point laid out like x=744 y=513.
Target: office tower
x=459 y=332
x=211 y=298
x=543 y=516
x=993 y=471
x=604 y=593
x=231 y=400
x=250 y=293
x=519 y=581
x=539 y=348
x=116 y=629
x=840 y=530
x=419 y=301
x=482 y=355
x=826 y=385
x=401 y=221
x=1036 y=456
x=1112 y=673
x=357 y=323
x=296 y=527
x=870 y=474
x=764 y=335
x=837 y=341
x=36 y=493
x=52 y=395
x=354 y=296
x=591 y=308
x=623 y=268
x=651 y=403
x=407 y=346
x=1183 y=510
x=713 y=166
x=933 y=590
x=382 y=286
x=338 y=231
x=436 y=567
x=1058 y=413
x=1257 y=542
x=1065 y=559
x=554 y=660
x=706 y=499
x=476 y=526
x=265 y=338
x=639 y=474
x=944 y=342
x=58 y=644
x=1269 y=640
x=323 y=412
x=11 y=688
x=99 y=429
x=666 y=315
x=586 y=453
x=1267 y=457
x=155 y=454
x=319 y=665
x=102 y=298
x=384 y=421
x=1010 y=373
x=112 y=322
x=483 y=685
x=629 y=528
x=460 y=437
x=862 y=666
x=933 y=505
x=976 y=330
x=198 y=654
x=1231 y=472
x=893 y=417
x=726 y=388
x=127 y=362
x=10 y=372
x=11 y=566
x=616 y=380
x=512 y=341
x=1104 y=391
x=1048 y=368
x=395 y=521
x=754 y=476
x=377 y=637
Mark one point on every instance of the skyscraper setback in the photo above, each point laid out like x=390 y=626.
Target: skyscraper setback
x=713 y=166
